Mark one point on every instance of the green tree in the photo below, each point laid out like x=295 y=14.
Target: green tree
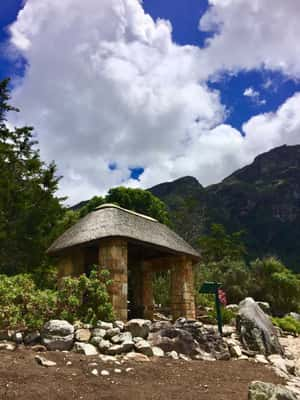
x=29 y=209
x=219 y=245
x=139 y=200
x=273 y=282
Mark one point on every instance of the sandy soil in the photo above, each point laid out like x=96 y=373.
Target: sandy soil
x=161 y=379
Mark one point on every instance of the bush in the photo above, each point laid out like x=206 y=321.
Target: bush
x=24 y=306
x=275 y=284
x=288 y=324
x=161 y=288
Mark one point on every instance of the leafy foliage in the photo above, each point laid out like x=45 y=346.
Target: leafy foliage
x=29 y=209
x=24 y=305
x=288 y=324
x=140 y=201
x=276 y=284
x=161 y=288
x=220 y=244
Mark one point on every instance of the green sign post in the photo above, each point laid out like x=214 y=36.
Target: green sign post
x=213 y=288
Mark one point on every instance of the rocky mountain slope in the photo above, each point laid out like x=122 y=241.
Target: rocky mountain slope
x=262 y=198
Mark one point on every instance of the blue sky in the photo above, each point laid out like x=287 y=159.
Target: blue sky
x=256 y=85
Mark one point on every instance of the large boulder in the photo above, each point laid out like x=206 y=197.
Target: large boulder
x=58 y=335
x=268 y=391
x=138 y=327
x=256 y=330
x=173 y=339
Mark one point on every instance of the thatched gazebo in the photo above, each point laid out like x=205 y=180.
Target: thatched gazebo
x=133 y=247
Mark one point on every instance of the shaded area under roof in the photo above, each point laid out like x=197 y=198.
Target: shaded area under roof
x=110 y=220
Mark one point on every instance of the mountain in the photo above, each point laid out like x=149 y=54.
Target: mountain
x=263 y=199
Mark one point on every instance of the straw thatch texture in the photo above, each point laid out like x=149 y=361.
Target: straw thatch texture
x=113 y=221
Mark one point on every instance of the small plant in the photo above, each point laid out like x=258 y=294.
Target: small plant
x=288 y=324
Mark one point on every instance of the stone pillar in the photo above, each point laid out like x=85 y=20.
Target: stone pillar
x=147 y=294
x=113 y=256
x=182 y=289
x=71 y=263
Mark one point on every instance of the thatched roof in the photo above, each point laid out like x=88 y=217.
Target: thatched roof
x=110 y=220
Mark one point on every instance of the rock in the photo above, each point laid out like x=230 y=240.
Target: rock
x=268 y=391
x=122 y=337
x=260 y=358
x=264 y=306
x=284 y=365
x=94 y=372
x=119 y=324
x=137 y=339
x=98 y=332
x=144 y=347
x=157 y=352
x=204 y=356
x=104 y=345
x=107 y=358
x=18 y=338
x=58 y=335
x=85 y=348
x=235 y=351
x=115 y=349
x=111 y=332
x=82 y=335
x=7 y=346
x=173 y=354
x=139 y=357
x=39 y=348
x=171 y=339
x=104 y=372
x=159 y=325
x=256 y=330
x=44 y=362
x=104 y=325
x=184 y=357
x=138 y=327
x=294 y=315
x=233 y=307
x=117 y=370
x=32 y=338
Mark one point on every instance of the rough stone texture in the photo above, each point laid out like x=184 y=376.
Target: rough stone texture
x=45 y=362
x=113 y=255
x=139 y=357
x=103 y=325
x=138 y=327
x=268 y=391
x=104 y=345
x=173 y=339
x=208 y=339
x=82 y=335
x=157 y=351
x=58 y=335
x=144 y=347
x=112 y=332
x=182 y=289
x=122 y=337
x=256 y=330
x=264 y=306
x=85 y=348
x=32 y=338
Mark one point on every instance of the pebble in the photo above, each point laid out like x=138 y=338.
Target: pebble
x=104 y=372
x=94 y=372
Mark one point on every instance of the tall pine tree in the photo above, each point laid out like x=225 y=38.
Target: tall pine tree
x=29 y=208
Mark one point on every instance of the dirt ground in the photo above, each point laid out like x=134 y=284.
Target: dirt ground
x=161 y=379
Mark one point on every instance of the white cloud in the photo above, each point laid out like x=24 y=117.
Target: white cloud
x=253 y=34
x=105 y=83
x=253 y=95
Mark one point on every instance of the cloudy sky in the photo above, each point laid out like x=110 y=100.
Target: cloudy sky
x=137 y=93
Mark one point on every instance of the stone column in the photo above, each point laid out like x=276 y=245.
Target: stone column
x=147 y=294
x=113 y=256
x=182 y=288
